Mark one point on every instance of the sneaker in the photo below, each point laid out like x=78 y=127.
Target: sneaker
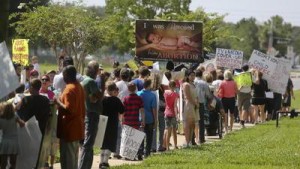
x=140 y=158
x=162 y=149
x=103 y=165
x=117 y=156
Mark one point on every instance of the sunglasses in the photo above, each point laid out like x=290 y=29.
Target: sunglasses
x=45 y=80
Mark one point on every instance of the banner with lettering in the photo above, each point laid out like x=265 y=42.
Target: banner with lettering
x=131 y=140
x=169 y=40
x=20 y=51
x=277 y=82
x=243 y=79
x=228 y=58
x=275 y=70
x=262 y=62
x=9 y=79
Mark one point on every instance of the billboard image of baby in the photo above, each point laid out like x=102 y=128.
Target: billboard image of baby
x=169 y=40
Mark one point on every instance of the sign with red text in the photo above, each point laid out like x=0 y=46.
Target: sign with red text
x=228 y=58
x=277 y=82
x=275 y=70
x=262 y=62
x=20 y=51
x=131 y=140
x=169 y=40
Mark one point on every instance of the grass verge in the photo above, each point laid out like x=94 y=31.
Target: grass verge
x=263 y=146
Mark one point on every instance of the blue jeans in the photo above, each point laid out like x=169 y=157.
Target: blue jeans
x=201 y=123
x=91 y=128
x=68 y=154
x=119 y=139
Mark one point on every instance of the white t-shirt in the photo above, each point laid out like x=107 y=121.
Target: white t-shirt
x=123 y=89
x=60 y=84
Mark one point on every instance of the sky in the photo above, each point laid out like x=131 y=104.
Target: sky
x=262 y=10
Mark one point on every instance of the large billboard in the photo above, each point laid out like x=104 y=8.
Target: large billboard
x=169 y=40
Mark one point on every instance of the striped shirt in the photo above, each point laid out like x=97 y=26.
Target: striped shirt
x=132 y=103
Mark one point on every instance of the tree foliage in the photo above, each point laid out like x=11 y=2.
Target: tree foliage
x=71 y=28
x=281 y=31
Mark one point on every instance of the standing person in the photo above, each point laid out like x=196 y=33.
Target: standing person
x=35 y=105
x=171 y=114
x=35 y=63
x=144 y=73
x=227 y=93
x=93 y=106
x=45 y=88
x=289 y=93
x=134 y=109
x=204 y=96
x=243 y=99
x=9 y=147
x=150 y=107
x=190 y=105
x=123 y=92
x=58 y=81
x=70 y=120
x=259 y=87
x=112 y=108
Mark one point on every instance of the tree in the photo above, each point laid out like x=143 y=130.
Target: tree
x=4 y=13
x=72 y=28
x=279 y=29
x=246 y=31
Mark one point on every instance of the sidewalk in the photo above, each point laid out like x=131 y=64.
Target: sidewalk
x=180 y=140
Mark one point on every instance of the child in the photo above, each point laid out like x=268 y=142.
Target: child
x=9 y=144
x=112 y=107
x=134 y=109
x=171 y=111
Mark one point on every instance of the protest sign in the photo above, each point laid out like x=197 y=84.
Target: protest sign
x=277 y=82
x=169 y=40
x=262 y=62
x=20 y=51
x=232 y=59
x=131 y=140
x=243 y=79
x=101 y=130
x=131 y=63
x=209 y=65
x=9 y=79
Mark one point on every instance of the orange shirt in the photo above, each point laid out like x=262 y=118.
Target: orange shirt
x=70 y=122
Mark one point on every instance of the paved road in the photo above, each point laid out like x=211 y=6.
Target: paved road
x=180 y=140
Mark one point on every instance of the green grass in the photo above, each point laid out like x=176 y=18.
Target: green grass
x=296 y=103
x=261 y=147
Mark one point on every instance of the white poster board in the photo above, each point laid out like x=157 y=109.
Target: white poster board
x=9 y=79
x=277 y=82
x=101 y=130
x=262 y=62
x=131 y=140
x=275 y=70
x=209 y=65
x=228 y=58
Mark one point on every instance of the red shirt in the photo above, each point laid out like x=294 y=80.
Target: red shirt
x=227 y=89
x=132 y=104
x=170 y=98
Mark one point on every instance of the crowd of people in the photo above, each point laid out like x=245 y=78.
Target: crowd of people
x=135 y=98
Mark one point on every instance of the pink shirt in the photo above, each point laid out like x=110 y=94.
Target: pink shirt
x=170 y=98
x=227 y=89
x=48 y=93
